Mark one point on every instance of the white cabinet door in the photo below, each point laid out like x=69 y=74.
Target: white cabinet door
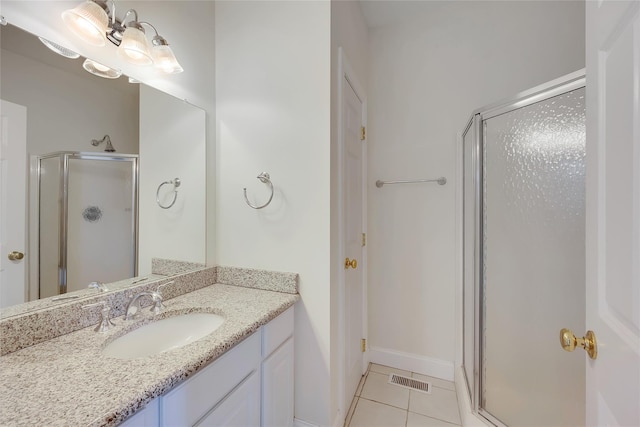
x=277 y=387
x=239 y=409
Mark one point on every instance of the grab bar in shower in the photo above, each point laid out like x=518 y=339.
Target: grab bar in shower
x=441 y=181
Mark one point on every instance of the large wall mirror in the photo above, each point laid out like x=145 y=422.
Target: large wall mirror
x=114 y=175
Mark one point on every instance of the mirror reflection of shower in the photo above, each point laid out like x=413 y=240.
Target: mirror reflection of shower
x=107 y=141
x=85 y=217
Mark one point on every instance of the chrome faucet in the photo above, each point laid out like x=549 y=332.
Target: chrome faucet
x=133 y=307
x=98 y=285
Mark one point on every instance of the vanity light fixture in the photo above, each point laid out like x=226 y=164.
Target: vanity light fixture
x=90 y=21
x=97 y=69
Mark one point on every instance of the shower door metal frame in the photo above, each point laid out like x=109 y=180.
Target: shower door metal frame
x=474 y=125
x=561 y=85
x=63 y=225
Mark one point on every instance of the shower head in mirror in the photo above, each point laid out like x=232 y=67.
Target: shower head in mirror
x=109 y=148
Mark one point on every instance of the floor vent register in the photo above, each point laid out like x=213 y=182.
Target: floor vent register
x=410 y=383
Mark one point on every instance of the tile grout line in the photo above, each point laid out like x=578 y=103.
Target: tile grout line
x=436 y=418
x=385 y=404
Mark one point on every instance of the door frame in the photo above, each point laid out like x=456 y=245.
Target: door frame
x=347 y=75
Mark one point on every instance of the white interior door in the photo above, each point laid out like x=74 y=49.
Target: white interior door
x=613 y=211
x=352 y=203
x=13 y=164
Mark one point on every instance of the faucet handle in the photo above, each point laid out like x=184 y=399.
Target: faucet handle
x=156 y=296
x=105 y=321
x=98 y=285
x=157 y=303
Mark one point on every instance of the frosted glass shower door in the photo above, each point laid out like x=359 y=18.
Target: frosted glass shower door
x=100 y=236
x=534 y=251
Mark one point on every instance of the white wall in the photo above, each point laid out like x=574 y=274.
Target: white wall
x=171 y=149
x=348 y=31
x=66 y=111
x=273 y=102
x=427 y=75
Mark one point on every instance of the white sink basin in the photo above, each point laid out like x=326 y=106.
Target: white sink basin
x=163 y=335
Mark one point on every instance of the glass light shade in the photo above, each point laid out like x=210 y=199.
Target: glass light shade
x=97 y=69
x=60 y=50
x=135 y=48
x=165 y=60
x=88 y=21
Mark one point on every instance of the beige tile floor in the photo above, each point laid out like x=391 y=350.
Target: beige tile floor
x=378 y=403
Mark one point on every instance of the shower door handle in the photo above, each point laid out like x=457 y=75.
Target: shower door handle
x=569 y=342
x=15 y=256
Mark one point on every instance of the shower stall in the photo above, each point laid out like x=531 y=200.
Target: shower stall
x=524 y=256
x=83 y=225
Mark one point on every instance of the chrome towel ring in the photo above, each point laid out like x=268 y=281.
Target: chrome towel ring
x=176 y=184
x=265 y=178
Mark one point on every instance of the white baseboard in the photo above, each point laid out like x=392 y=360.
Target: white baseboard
x=299 y=423
x=412 y=362
x=469 y=419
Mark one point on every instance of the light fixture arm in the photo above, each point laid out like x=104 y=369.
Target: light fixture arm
x=113 y=12
x=135 y=17
x=149 y=24
x=157 y=40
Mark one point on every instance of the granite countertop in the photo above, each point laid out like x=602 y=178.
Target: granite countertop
x=67 y=381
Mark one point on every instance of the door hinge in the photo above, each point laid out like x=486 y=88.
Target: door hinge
x=363 y=133
x=363 y=344
x=364 y=239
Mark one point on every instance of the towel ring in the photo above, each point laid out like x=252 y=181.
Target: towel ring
x=265 y=178
x=176 y=184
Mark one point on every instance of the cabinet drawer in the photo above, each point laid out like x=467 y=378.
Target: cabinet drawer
x=276 y=332
x=191 y=400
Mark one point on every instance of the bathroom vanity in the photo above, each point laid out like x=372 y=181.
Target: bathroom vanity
x=240 y=374
x=250 y=385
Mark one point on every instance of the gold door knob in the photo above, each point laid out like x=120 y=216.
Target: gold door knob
x=15 y=256
x=569 y=342
x=350 y=263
